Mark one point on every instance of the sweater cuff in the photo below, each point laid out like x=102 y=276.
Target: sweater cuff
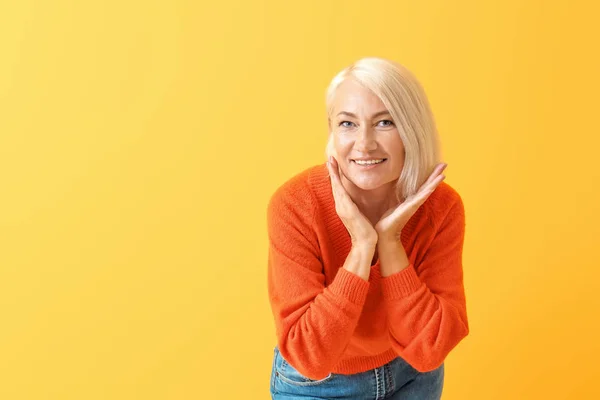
x=350 y=286
x=400 y=284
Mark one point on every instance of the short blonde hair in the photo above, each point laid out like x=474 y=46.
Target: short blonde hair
x=405 y=99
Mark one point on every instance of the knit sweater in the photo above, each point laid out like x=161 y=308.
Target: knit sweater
x=328 y=319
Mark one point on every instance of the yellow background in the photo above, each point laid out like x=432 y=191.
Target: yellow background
x=140 y=142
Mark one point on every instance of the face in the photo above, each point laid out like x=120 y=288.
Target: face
x=363 y=129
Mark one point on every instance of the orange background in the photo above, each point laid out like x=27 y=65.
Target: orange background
x=140 y=142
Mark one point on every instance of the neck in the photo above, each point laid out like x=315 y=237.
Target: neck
x=372 y=203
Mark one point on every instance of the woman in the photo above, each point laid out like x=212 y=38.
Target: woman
x=365 y=251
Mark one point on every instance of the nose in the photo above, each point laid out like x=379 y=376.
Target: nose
x=365 y=141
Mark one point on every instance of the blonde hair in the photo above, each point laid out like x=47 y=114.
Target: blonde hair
x=405 y=99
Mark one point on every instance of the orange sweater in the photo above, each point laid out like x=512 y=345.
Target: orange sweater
x=328 y=319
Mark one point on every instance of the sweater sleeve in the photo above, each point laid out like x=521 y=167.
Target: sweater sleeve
x=427 y=312
x=313 y=323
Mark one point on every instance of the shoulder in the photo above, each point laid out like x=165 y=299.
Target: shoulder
x=296 y=194
x=443 y=204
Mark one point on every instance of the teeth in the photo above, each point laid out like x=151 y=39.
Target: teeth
x=360 y=162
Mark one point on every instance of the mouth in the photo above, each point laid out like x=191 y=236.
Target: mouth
x=369 y=163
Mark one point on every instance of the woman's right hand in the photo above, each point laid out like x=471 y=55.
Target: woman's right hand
x=360 y=228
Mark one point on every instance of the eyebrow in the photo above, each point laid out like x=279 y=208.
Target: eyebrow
x=377 y=114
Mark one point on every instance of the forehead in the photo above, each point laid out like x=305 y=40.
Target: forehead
x=353 y=97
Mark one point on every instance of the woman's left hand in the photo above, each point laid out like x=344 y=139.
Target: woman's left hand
x=391 y=223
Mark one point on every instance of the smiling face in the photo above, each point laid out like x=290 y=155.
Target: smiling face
x=366 y=140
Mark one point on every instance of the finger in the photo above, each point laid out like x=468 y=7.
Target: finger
x=436 y=172
x=428 y=188
x=411 y=204
x=333 y=173
x=336 y=184
x=340 y=172
x=337 y=180
x=343 y=201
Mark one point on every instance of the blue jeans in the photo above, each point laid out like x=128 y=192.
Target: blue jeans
x=394 y=380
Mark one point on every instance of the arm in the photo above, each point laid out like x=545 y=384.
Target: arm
x=427 y=312
x=313 y=323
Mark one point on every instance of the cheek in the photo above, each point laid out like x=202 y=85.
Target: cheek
x=396 y=149
x=399 y=159
x=396 y=146
x=342 y=145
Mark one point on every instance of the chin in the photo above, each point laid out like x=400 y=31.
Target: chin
x=372 y=184
x=369 y=185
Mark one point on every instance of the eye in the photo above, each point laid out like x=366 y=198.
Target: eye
x=345 y=126
x=387 y=120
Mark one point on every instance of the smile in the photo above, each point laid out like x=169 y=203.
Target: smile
x=369 y=162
